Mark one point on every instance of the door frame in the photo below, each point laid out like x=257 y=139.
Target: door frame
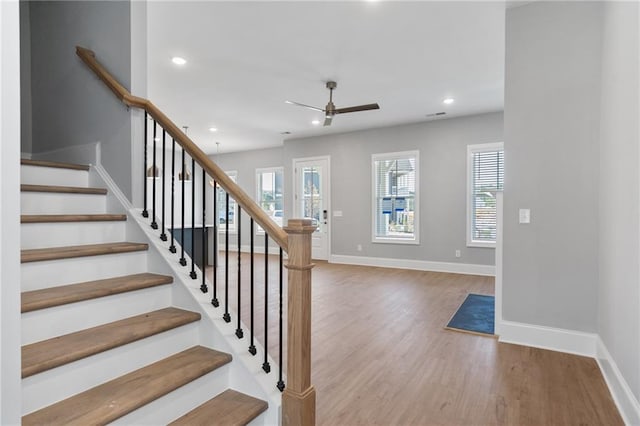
x=328 y=194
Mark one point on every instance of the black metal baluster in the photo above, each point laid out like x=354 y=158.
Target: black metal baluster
x=203 y=286
x=163 y=235
x=154 y=224
x=226 y=317
x=239 y=332
x=252 y=347
x=214 y=300
x=193 y=274
x=145 y=213
x=265 y=365
x=280 y=384
x=183 y=261
x=172 y=247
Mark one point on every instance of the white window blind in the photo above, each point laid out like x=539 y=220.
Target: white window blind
x=395 y=209
x=486 y=177
x=269 y=183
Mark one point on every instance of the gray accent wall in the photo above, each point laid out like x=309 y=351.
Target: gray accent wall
x=551 y=130
x=25 y=79
x=619 y=202
x=443 y=177
x=70 y=106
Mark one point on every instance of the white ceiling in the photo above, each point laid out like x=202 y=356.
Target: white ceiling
x=246 y=58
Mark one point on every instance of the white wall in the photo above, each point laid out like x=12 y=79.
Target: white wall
x=619 y=202
x=551 y=164
x=10 y=389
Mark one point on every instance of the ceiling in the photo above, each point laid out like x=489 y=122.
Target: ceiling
x=245 y=59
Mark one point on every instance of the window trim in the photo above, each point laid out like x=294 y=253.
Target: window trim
x=416 y=212
x=471 y=150
x=221 y=228
x=259 y=230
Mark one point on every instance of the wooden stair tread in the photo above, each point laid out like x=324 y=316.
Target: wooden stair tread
x=67 y=252
x=72 y=293
x=57 y=218
x=54 y=164
x=51 y=353
x=230 y=408
x=116 y=398
x=62 y=189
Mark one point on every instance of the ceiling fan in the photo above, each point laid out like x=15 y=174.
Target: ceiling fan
x=330 y=110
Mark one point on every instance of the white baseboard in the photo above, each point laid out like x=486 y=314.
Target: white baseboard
x=624 y=398
x=113 y=188
x=555 y=339
x=420 y=265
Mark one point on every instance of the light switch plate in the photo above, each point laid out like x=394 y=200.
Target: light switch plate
x=525 y=216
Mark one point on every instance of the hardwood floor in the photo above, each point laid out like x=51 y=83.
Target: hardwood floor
x=382 y=357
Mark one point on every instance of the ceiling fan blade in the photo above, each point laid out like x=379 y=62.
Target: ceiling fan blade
x=366 y=107
x=304 y=106
x=327 y=120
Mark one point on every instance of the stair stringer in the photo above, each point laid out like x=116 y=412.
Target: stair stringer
x=245 y=372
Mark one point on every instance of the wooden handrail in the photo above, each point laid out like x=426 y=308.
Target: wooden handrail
x=241 y=197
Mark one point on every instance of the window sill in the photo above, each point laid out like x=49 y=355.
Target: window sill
x=401 y=241
x=481 y=244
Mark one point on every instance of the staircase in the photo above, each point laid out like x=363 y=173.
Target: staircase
x=102 y=338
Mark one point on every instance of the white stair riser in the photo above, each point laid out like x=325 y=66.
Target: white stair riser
x=179 y=402
x=35 y=175
x=57 y=203
x=52 y=322
x=54 y=385
x=51 y=273
x=41 y=235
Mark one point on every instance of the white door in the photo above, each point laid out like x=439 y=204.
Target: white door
x=311 y=200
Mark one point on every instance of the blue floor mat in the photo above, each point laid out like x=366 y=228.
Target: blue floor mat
x=475 y=315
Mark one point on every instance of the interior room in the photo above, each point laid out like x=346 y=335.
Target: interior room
x=377 y=166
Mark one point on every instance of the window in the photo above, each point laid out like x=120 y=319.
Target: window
x=222 y=206
x=269 y=193
x=485 y=176
x=395 y=197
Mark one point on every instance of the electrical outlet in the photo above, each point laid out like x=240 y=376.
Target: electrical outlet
x=359 y=247
x=458 y=253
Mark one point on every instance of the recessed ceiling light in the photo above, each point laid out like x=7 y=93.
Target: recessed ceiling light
x=213 y=129
x=178 y=60
x=315 y=122
x=448 y=101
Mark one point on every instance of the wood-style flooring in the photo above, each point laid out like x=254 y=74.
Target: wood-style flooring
x=381 y=355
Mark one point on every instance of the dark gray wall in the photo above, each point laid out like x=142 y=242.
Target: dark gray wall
x=25 y=78
x=551 y=129
x=443 y=150
x=70 y=106
x=619 y=202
